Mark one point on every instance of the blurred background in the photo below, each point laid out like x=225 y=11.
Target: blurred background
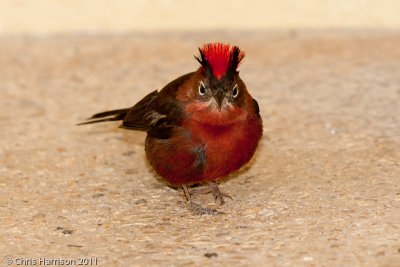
x=33 y=17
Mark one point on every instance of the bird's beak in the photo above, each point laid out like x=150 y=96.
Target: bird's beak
x=219 y=97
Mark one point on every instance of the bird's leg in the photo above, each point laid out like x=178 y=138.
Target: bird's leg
x=196 y=207
x=218 y=195
x=214 y=190
x=186 y=192
x=200 y=190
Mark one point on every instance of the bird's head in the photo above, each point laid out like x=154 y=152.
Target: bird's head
x=219 y=84
x=216 y=91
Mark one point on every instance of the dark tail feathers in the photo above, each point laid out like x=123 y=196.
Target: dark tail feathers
x=111 y=115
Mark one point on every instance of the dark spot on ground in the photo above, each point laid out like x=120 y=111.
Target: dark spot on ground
x=140 y=201
x=211 y=254
x=74 y=246
x=128 y=153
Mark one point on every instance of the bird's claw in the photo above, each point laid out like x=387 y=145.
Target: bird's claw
x=214 y=190
x=198 y=209
x=218 y=195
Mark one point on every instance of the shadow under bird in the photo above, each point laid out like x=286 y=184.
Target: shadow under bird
x=200 y=127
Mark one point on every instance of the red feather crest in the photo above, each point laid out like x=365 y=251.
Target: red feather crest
x=220 y=58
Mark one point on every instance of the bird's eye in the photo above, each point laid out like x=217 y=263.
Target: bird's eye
x=235 y=91
x=202 y=88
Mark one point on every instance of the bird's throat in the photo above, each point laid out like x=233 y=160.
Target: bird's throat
x=215 y=118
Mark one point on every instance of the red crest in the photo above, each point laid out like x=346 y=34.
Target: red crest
x=220 y=58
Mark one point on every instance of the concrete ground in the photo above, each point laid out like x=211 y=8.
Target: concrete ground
x=322 y=190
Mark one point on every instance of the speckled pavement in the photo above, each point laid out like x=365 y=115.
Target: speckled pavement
x=322 y=190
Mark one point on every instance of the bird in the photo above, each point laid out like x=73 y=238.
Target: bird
x=200 y=127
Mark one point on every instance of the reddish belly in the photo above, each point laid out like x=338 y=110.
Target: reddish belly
x=223 y=150
x=229 y=149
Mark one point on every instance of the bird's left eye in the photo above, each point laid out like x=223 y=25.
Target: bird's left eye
x=235 y=91
x=202 y=88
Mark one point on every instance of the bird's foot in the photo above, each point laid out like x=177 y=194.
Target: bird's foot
x=218 y=195
x=214 y=190
x=198 y=209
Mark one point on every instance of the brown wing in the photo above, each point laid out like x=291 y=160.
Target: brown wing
x=142 y=116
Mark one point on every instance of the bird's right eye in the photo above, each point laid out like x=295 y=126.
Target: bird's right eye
x=202 y=88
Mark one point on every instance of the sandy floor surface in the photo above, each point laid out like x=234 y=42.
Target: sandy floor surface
x=322 y=190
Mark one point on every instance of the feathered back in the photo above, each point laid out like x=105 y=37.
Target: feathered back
x=220 y=59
